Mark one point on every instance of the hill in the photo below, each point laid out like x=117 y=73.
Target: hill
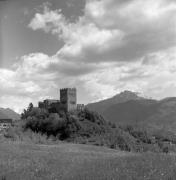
x=6 y=113
x=134 y=110
x=151 y=113
x=3 y=115
x=88 y=127
x=101 y=106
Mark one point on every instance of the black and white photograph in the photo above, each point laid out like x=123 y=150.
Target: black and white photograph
x=87 y=89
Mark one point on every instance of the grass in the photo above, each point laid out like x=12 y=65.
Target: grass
x=29 y=161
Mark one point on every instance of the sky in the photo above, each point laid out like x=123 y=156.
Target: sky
x=101 y=47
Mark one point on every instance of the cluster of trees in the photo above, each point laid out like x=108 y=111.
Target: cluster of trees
x=90 y=127
x=64 y=125
x=27 y=111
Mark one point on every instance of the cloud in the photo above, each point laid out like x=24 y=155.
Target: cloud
x=79 y=36
x=112 y=30
x=38 y=76
x=16 y=93
x=130 y=13
x=116 y=45
x=149 y=26
x=48 y=20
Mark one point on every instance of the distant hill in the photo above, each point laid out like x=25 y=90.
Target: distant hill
x=133 y=111
x=6 y=113
x=125 y=96
x=128 y=108
x=3 y=115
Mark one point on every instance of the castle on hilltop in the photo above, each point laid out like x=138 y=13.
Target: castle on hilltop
x=67 y=102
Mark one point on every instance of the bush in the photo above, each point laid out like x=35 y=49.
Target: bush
x=16 y=134
x=139 y=133
x=166 y=149
x=50 y=126
x=92 y=117
x=69 y=125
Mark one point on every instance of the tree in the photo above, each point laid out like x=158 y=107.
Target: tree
x=26 y=113
x=30 y=107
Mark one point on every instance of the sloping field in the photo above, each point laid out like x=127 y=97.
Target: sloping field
x=20 y=161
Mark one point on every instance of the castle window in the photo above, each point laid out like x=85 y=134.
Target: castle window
x=72 y=102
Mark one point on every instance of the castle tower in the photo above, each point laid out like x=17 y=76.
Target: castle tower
x=68 y=99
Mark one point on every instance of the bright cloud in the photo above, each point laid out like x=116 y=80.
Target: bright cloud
x=116 y=45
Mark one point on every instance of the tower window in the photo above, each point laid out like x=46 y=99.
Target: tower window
x=72 y=102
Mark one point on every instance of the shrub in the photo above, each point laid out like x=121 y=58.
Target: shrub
x=69 y=125
x=92 y=116
x=166 y=149
x=50 y=126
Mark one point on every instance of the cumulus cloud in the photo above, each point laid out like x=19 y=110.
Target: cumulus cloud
x=80 y=37
x=37 y=76
x=149 y=25
x=116 y=45
x=32 y=80
x=112 y=30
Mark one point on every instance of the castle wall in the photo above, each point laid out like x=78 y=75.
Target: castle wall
x=68 y=101
x=80 y=107
x=41 y=105
x=49 y=102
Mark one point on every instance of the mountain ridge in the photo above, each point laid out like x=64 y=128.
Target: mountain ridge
x=124 y=96
x=129 y=108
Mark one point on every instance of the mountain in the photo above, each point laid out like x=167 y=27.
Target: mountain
x=6 y=113
x=3 y=115
x=125 y=96
x=133 y=111
x=127 y=108
x=149 y=113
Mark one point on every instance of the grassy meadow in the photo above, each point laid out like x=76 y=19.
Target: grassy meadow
x=29 y=161
x=39 y=149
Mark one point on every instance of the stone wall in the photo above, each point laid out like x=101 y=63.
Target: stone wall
x=68 y=99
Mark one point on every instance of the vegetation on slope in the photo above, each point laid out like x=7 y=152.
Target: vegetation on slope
x=87 y=127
